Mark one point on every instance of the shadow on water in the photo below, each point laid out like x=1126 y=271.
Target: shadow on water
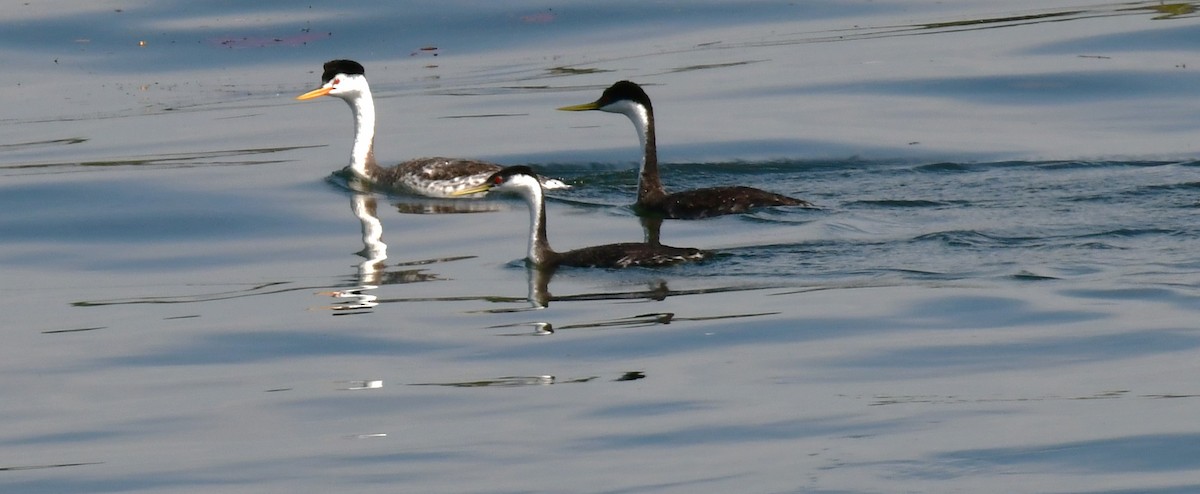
x=172 y=160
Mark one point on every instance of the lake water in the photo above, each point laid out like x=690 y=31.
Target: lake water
x=999 y=291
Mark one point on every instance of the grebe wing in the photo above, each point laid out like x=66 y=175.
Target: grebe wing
x=458 y=171
x=439 y=168
x=624 y=255
x=715 y=201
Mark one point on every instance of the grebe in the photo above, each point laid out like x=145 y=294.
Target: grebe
x=629 y=99
x=433 y=177
x=521 y=179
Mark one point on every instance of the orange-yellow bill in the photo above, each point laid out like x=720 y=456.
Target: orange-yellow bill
x=586 y=106
x=315 y=93
x=483 y=187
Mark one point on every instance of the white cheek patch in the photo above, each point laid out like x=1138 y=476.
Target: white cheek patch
x=636 y=113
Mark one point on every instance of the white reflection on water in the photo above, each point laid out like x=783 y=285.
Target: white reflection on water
x=361 y=385
x=374 y=252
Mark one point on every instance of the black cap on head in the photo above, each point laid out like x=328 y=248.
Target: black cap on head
x=624 y=90
x=335 y=67
x=504 y=174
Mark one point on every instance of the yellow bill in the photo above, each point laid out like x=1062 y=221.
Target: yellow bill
x=483 y=187
x=584 y=107
x=315 y=93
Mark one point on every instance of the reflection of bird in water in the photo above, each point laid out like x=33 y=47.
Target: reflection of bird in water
x=374 y=252
x=539 y=287
x=520 y=179
x=651 y=226
x=444 y=206
x=630 y=100
x=371 y=270
x=434 y=177
x=410 y=204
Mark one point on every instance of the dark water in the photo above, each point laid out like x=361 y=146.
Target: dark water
x=997 y=293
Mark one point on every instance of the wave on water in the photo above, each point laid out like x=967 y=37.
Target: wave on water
x=899 y=203
x=972 y=238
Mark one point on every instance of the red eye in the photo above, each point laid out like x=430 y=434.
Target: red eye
x=498 y=180
x=337 y=81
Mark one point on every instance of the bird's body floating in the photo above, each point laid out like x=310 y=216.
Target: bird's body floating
x=434 y=177
x=630 y=100
x=520 y=179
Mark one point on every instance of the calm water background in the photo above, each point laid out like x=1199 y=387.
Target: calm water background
x=999 y=292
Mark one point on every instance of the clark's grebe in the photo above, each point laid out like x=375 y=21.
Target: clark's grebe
x=629 y=99
x=434 y=177
x=521 y=179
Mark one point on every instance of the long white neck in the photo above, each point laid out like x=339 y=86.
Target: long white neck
x=641 y=123
x=649 y=184
x=539 y=245
x=362 y=155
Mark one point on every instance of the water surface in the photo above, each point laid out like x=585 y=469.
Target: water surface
x=997 y=293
